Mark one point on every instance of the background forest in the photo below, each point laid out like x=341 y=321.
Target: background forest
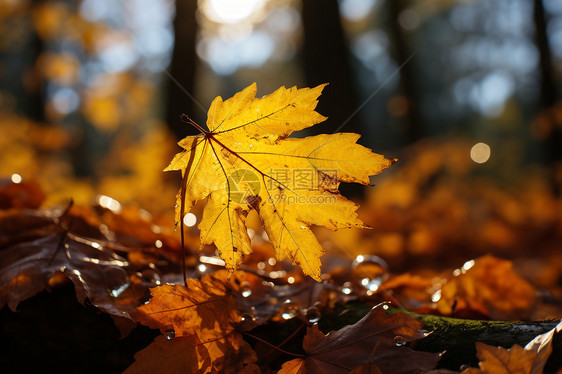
x=465 y=94
x=91 y=91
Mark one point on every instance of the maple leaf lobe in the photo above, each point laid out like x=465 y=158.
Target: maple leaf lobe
x=297 y=179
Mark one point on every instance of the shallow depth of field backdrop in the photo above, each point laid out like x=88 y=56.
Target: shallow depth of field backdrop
x=466 y=94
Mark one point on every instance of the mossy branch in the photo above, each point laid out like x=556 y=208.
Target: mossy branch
x=454 y=336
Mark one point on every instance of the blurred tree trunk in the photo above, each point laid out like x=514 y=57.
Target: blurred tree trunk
x=182 y=70
x=20 y=76
x=326 y=60
x=552 y=148
x=411 y=121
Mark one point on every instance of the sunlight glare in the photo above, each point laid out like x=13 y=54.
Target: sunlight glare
x=231 y=11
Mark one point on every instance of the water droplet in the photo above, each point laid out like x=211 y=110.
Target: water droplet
x=371 y=284
x=346 y=288
x=170 y=334
x=150 y=275
x=289 y=310
x=425 y=332
x=312 y=314
x=399 y=341
x=467 y=265
x=436 y=296
x=245 y=289
x=247 y=317
x=369 y=271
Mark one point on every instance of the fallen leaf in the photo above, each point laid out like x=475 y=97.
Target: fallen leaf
x=245 y=161
x=542 y=346
x=498 y=360
x=206 y=312
x=169 y=356
x=26 y=194
x=36 y=245
x=488 y=286
x=529 y=360
x=378 y=339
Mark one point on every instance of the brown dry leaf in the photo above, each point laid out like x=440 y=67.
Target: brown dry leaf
x=378 y=339
x=542 y=346
x=205 y=311
x=488 y=286
x=36 y=245
x=246 y=162
x=27 y=194
x=166 y=356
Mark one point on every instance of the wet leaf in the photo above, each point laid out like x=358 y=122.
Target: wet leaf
x=378 y=340
x=36 y=245
x=204 y=311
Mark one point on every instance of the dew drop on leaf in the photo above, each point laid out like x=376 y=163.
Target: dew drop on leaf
x=150 y=275
x=170 y=334
x=372 y=284
x=436 y=296
x=247 y=317
x=399 y=341
x=289 y=310
x=312 y=314
x=245 y=289
x=370 y=272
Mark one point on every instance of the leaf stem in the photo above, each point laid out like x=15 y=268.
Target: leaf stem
x=185 y=118
x=272 y=346
x=278 y=346
x=182 y=233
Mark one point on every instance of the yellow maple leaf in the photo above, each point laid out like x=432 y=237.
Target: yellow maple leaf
x=245 y=161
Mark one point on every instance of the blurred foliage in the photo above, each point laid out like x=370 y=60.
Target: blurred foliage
x=95 y=128
x=81 y=98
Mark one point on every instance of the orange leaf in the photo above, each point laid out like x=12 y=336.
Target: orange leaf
x=528 y=360
x=204 y=308
x=204 y=311
x=488 y=285
x=498 y=360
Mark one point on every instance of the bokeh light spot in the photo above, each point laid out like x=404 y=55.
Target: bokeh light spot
x=480 y=153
